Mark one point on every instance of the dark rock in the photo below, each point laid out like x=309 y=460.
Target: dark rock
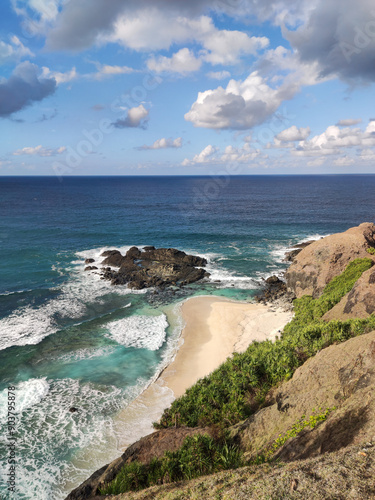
x=90 y=268
x=113 y=258
x=89 y=261
x=154 y=267
x=133 y=253
x=73 y=409
x=290 y=256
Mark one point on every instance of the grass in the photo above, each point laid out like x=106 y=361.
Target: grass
x=239 y=386
x=199 y=455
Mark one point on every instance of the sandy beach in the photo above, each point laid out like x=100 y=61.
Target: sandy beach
x=215 y=327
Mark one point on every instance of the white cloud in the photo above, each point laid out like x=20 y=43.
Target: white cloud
x=348 y=123
x=154 y=29
x=293 y=134
x=344 y=161
x=66 y=77
x=40 y=151
x=182 y=62
x=37 y=15
x=241 y=105
x=244 y=154
x=164 y=143
x=13 y=51
x=334 y=139
x=106 y=70
x=218 y=75
x=202 y=157
x=136 y=117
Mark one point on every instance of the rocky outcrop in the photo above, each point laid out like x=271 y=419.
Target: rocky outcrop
x=275 y=292
x=359 y=302
x=322 y=260
x=341 y=376
x=292 y=254
x=152 y=267
x=144 y=450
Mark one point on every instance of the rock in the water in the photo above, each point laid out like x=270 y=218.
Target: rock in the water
x=90 y=268
x=113 y=258
x=321 y=261
x=153 y=267
x=89 y=261
x=73 y=409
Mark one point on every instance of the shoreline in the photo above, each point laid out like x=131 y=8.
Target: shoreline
x=213 y=329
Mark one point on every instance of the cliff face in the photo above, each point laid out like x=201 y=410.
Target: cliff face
x=318 y=263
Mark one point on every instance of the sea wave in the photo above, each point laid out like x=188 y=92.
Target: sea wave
x=148 y=332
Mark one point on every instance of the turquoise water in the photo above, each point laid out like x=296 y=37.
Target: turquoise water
x=69 y=339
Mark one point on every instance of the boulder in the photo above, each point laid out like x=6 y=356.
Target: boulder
x=90 y=268
x=133 y=253
x=113 y=258
x=89 y=261
x=322 y=260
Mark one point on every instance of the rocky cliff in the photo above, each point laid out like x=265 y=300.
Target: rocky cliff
x=322 y=260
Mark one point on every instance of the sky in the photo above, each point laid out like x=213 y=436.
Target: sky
x=176 y=87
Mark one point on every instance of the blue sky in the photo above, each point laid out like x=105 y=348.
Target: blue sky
x=152 y=87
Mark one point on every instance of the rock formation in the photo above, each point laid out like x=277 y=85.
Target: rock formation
x=152 y=267
x=324 y=259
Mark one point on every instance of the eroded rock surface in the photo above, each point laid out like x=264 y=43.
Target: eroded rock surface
x=318 y=263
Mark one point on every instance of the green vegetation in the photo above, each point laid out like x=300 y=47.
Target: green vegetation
x=298 y=427
x=239 y=386
x=370 y=250
x=198 y=456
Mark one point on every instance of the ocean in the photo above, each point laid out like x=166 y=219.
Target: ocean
x=69 y=339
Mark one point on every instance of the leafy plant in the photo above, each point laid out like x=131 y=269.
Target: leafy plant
x=370 y=250
x=199 y=455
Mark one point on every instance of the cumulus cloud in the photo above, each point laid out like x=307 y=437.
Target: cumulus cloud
x=293 y=134
x=334 y=139
x=241 y=105
x=164 y=143
x=136 y=117
x=24 y=87
x=204 y=156
x=182 y=62
x=13 y=51
x=40 y=151
x=244 y=154
x=106 y=70
x=37 y=15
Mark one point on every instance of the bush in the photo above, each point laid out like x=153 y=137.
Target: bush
x=199 y=455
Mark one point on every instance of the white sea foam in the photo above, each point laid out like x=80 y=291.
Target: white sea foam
x=147 y=332
x=48 y=433
x=28 y=325
x=87 y=353
x=226 y=278
x=27 y=394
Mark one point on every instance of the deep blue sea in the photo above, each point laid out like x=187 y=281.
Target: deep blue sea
x=69 y=339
